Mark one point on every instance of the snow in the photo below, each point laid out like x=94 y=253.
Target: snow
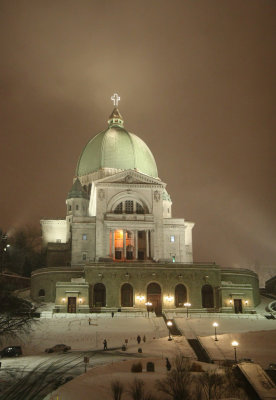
x=255 y=334
x=260 y=381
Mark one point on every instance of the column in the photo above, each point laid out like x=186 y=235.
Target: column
x=124 y=243
x=147 y=243
x=113 y=244
x=152 y=244
x=136 y=244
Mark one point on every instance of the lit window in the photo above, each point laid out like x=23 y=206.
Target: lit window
x=172 y=238
x=84 y=236
x=173 y=259
x=84 y=256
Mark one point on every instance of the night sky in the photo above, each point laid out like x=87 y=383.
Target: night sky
x=197 y=81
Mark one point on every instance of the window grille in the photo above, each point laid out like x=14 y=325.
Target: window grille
x=129 y=206
x=119 y=209
x=139 y=209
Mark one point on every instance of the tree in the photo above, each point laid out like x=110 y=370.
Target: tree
x=177 y=384
x=117 y=389
x=137 y=391
x=212 y=384
x=44 y=379
x=16 y=315
x=25 y=251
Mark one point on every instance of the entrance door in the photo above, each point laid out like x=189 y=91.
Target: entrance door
x=99 y=295
x=238 y=306
x=72 y=301
x=154 y=297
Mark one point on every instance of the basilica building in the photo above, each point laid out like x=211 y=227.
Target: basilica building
x=120 y=248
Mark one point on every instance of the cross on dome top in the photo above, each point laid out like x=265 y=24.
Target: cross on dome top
x=115 y=98
x=115 y=118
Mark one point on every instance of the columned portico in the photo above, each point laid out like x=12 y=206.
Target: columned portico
x=130 y=244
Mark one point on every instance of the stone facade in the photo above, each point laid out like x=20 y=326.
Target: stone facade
x=119 y=246
x=57 y=284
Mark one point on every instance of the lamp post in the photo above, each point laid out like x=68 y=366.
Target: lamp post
x=235 y=345
x=215 y=325
x=148 y=304
x=169 y=324
x=187 y=305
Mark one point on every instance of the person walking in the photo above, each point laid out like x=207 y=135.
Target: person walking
x=138 y=339
x=89 y=321
x=105 y=344
x=168 y=364
x=112 y=314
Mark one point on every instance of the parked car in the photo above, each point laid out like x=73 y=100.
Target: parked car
x=11 y=351
x=58 y=348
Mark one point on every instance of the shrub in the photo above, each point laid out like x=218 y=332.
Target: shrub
x=137 y=367
x=117 y=389
x=196 y=368
x=150 y=366
x=138 y=392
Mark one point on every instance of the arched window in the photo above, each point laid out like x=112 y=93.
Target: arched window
x=207 y=295
x=119 y=209
x=129 y=207
x=154 y=297
x=180 y=295
x=139 y=209
x=126 y=295
x=41 y=293
x=99 y=295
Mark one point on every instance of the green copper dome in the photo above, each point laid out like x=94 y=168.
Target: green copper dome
x=116 y=148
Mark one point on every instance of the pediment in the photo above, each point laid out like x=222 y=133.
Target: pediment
x=130 y=177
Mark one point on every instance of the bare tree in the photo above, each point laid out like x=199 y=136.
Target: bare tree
x=42 y=380
x=16 y=315
x=212 y=385
x=177 y=384
x=25 y=251
x=137 y=391
x=117 y=389
x=234 y=386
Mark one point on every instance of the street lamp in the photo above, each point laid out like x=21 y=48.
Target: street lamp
x=215 y=325
x=235 y=345
x=187 y=305
x=169 y=324
x=148 y=304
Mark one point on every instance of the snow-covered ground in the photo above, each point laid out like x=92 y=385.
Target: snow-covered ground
x=256 y=336
x=77 y=333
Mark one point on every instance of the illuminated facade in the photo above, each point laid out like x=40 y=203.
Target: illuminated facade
x=119 y=245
